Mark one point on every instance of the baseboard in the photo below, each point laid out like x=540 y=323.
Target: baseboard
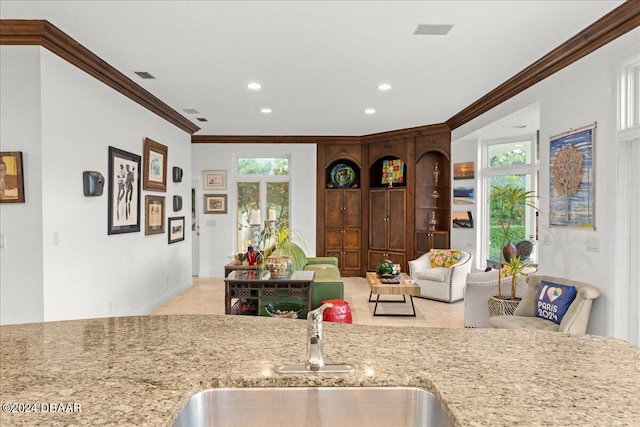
x=163 y=299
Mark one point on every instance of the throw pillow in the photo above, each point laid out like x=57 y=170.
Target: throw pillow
x=554 y=300
x=444 y=257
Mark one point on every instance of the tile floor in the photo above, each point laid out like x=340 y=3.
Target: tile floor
x=207 y=297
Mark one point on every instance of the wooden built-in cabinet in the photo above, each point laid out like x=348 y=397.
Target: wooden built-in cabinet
x=369 y=221
x=339 y=228
x=387 y=226
x=432 y=193
x=342 y=228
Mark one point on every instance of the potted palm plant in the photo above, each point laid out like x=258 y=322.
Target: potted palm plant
x=499 y=304
x=510 y=202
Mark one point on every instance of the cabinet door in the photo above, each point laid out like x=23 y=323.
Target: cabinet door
x=374 y=258
x=351 y=239
x=378 y=219
x=351 y=261
x=333 y=209
x=397 y=222
x=351 y=212
x=333 y=239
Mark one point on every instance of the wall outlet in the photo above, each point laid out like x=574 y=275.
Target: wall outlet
x=55 y=238
x=593 y=244
x=3 y=241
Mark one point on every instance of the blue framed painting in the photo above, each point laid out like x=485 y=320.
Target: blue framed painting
x=571 y=179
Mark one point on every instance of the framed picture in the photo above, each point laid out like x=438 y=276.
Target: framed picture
x=464 y=170
x=215 y=203
x=464 y=195
x=11 y=177
x=154 y=215
x=155 y=166
x=462 y=219
x=124 y=192
x=214 y=180
x=176 y=229
x=571 y=179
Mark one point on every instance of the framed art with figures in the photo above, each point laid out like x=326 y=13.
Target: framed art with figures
x=124 y=192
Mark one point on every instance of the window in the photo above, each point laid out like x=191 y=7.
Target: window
x=629 y=93
x=262 y=186
x=511 y=161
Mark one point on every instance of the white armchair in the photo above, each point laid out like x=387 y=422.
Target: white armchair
x=440 y=283
x=575 y=321
x=480 y=286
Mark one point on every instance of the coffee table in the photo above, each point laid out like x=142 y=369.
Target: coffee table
x=404 y=288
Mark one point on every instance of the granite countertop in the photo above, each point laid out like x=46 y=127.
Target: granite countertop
x=142 y=370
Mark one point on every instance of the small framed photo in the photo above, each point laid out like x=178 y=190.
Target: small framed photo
x=155 y=166
x=214 y=180
x=463 y=170
x=11 y=177
x=124 y=192
x=215 y=203
x=154 y=215
x=176 y=229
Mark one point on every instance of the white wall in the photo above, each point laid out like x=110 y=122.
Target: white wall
x=579 y=95
x=21 y=293
x=217 y=232
x=85 y=272
x=465 y=238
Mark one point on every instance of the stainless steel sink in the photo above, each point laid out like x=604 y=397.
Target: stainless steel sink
x=314 y=406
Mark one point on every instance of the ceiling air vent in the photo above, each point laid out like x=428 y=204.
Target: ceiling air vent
x=190 y=111
x=201 y=119
x=433 y=29
x=144 y=75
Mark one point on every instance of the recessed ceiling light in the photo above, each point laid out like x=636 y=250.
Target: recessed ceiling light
x=254 y=86
x=384 y=86
x=370 y=111
x=266 y=110
x=519 y=126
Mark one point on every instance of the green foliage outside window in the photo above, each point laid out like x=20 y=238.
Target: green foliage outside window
x=263 y=167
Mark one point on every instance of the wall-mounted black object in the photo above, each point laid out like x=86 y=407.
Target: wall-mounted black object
x=177 y=203
x=93 y=183
x=177 y=174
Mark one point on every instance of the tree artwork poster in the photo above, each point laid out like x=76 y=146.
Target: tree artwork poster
x=124 y=192
x=571 y=178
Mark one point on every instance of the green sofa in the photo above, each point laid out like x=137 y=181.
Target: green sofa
x=327 y=283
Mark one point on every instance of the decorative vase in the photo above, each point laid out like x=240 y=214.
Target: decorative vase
x=433 y=222
x=501 y=306
x=509 y=251
x=279 y=266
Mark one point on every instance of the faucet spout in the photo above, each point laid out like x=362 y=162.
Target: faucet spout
x=315 y=358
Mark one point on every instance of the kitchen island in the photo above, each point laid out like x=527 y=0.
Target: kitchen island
x=142 y=370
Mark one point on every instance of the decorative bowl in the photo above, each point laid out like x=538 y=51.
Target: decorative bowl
x=285 y=310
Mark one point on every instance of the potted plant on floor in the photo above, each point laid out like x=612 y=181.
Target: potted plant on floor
x=499 y=304
x=509 y=203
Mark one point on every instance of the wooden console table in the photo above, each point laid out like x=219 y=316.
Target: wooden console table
x=255 y=285
x=233 y=266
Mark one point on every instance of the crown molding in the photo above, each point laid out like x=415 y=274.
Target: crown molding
x=618 y=22
x=327 y=140
x=47 y=35
x=273 y=139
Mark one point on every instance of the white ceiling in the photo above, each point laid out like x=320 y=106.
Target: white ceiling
x=319 y=62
